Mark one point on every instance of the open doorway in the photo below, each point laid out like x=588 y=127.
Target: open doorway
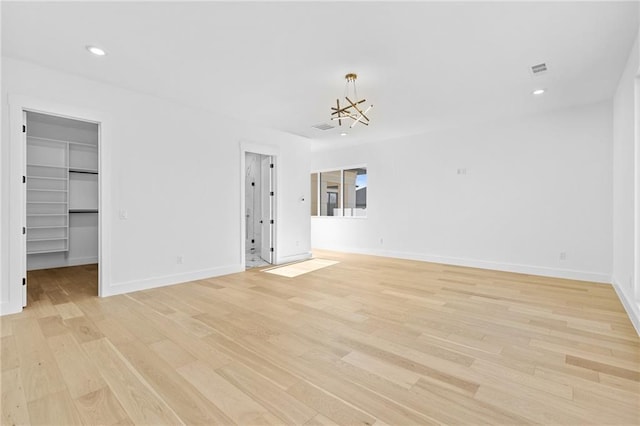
x=61 y=207
x=259 y=210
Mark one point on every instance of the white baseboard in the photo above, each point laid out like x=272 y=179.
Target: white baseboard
x=484 y=264
x=630 y=305
x=148 y=283
x=69 y=262
x=293 y=258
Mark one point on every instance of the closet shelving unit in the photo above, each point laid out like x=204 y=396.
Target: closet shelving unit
x=62 y=179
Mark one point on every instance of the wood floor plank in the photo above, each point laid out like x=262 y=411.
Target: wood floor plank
x=400 y=376
x=54 y=409
x=237 y=405
x=370 y=340
x=14 y=402
x=9 y=358
x=329 y=406
x=604 y=368
x=187 y=403
x=39 y=371
x=100 y=407
x=68 y=310
x=52 y=326
x=141 y=402
x=288 y=409
x=172 y=353
x=5 y=326
x=79 y=373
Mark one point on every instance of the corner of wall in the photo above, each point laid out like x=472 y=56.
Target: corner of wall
x=630 y=305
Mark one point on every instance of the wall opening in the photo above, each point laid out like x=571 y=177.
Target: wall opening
x=61 y=206
x=259 y=202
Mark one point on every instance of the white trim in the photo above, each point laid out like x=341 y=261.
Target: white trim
x=17 y=104
x=274 y=152
x=333 y=169
x=486 y=264
x=631 y=306
x=294 y=258
x=166 y=280
x=636 y=170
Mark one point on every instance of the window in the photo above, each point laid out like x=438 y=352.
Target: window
x=339 y=193
x=355 y=192
x=314 y=194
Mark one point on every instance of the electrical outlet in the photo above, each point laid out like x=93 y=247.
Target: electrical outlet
x=563 y=255
x=462 y=171
x=124 y=215
x=179 y=260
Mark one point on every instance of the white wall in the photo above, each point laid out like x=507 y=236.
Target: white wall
x=176 y=172
x=626 y=109
x=534 y=187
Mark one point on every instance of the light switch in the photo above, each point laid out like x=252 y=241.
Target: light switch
x=124 y=215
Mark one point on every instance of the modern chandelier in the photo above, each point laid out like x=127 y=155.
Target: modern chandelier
x=352 y=109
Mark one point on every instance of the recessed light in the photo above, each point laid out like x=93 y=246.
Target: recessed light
x=538 y=92
x=343 y=134
x=96 y=50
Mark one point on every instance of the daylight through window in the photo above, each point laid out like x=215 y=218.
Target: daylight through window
x=339 y=193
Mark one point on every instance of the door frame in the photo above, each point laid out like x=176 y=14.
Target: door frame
x=17 y=194
x=273 y=152
x=267 y=221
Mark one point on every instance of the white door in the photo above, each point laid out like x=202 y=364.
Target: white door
x=266 y=200
x=23 y=266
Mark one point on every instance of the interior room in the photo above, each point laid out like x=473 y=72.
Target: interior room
x=318 y=212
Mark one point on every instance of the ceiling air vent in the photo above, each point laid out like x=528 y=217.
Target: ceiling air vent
x=539 y=69
x=323 y=126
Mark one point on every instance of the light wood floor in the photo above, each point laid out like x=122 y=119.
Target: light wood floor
x=366 y=341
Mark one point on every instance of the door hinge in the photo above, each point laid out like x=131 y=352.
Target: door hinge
x=24 y=128
x=271 y=193
x=271 y=166
x=24 y=281
x=253 y=184
x=24 y=179
x=271 y=221
x=24 y=230
x=260 y=221
x=271 y=249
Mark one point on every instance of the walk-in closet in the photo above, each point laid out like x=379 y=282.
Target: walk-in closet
x=62 y=206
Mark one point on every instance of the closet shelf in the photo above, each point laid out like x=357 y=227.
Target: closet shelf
x=48 y=227
x=83 y=210
x=45 y=177
x=48 y=166
x=46 y=202
x=86 y=171
x=46 y=251
x=48 y=239
x=46 y=214
x=90 y=145
x=47 y=190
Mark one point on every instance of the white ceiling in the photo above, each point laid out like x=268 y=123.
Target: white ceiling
x=422 y=64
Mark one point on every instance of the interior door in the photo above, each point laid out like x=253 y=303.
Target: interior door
x=23 y=251
x=266 y=198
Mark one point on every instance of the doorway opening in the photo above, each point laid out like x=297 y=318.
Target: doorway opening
x=259 y=210
x=61 y=194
